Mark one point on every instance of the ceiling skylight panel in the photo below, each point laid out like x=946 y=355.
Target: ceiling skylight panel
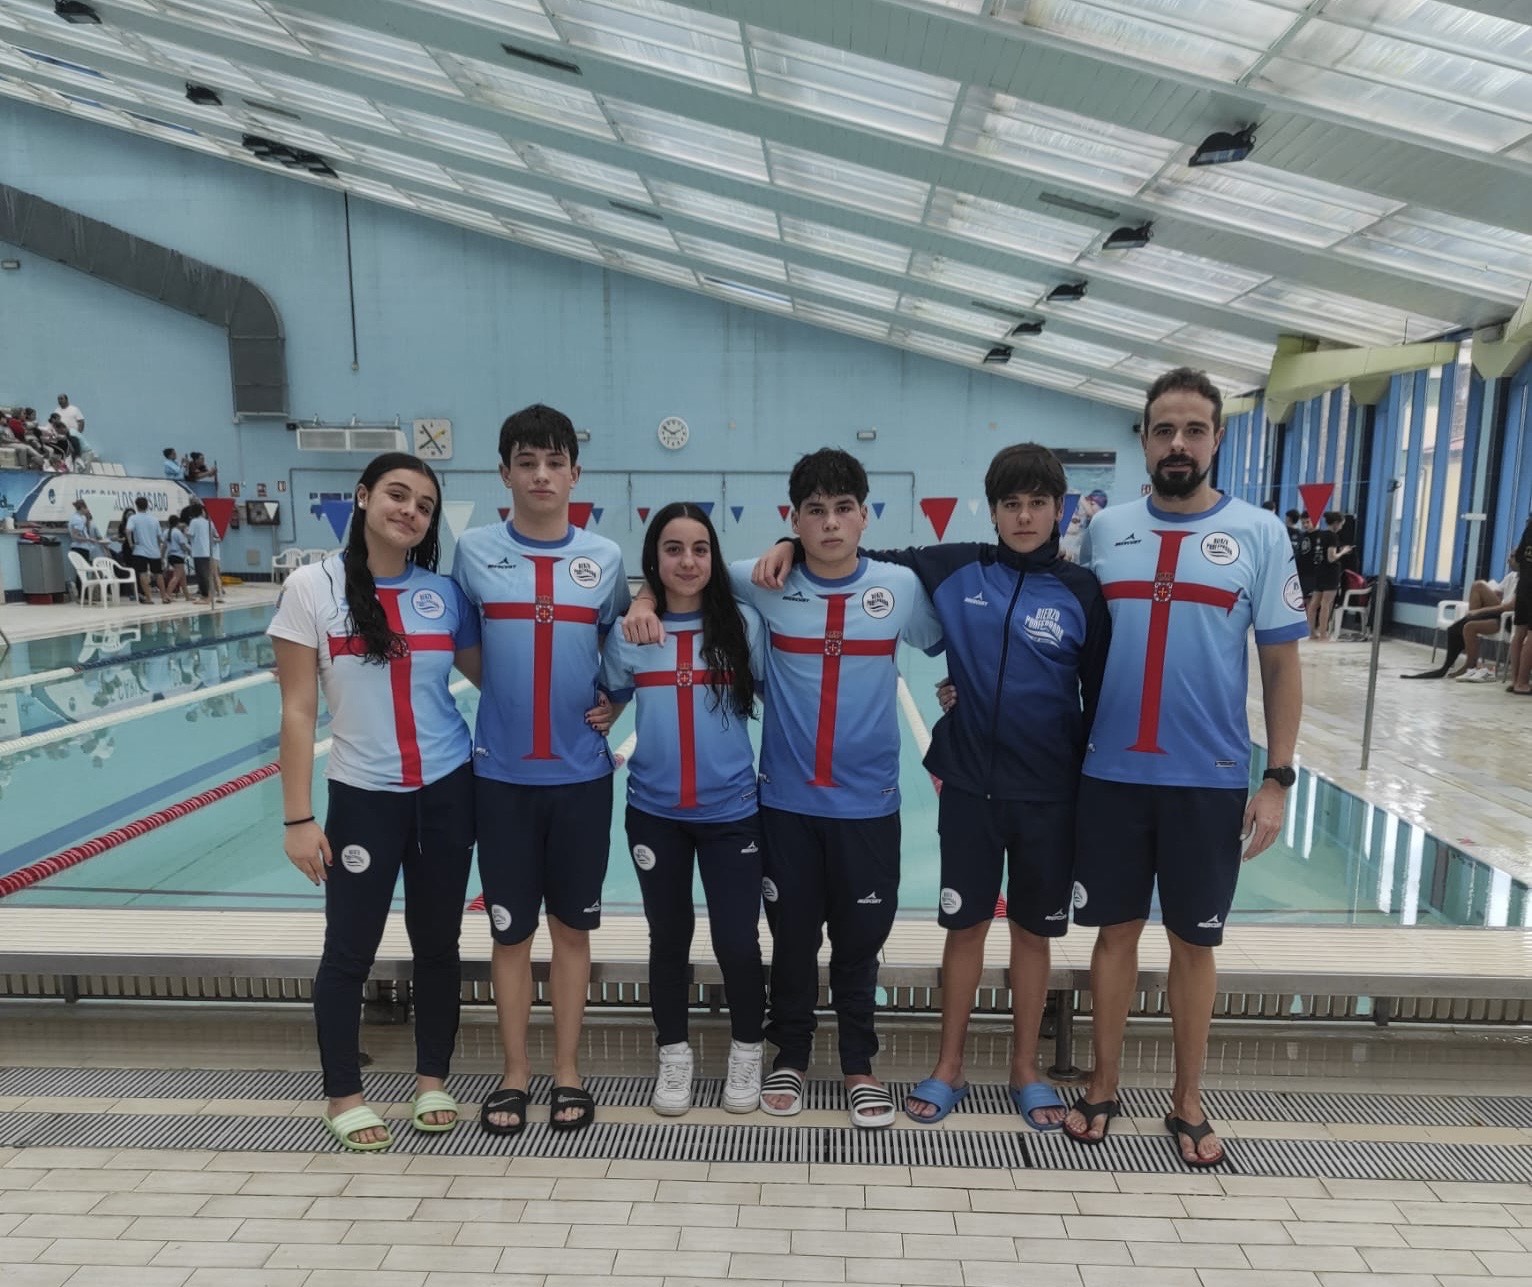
x=717 y=252
x=1222 y=39
x=508 y=194
x=608 y=179
x=1050 y=141
x=1222 y=346
x=561 y=243
x=1124 y=395
x=466 y=139
x=1071 y=349
x=1118 y=318
x=1344 y=317
x=1175 y=272
x=303 y=95
x=397 y=163
x=853 y=247
x=1000 y=287
x=1463 y=253
x=616 y=224
x=933 y=313
x=455 y=213
x=997 y=224
x=514 y=15
x=657 y=36
x=244 y=19
x=284 y=131
x=823 y=177
x=838 y=319
x=938 y=345
x=360 y=185
x=744 y=293
x=648 y=266
x=1264 y=201
x=842 y=287
x=529 y=96
x=1018 y=368
x=197 y=65
x=362 y=50
x=850 y=88
x=691 y=142
x=705 y=206
x=1446 y=26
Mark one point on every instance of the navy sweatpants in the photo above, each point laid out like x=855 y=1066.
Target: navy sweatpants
x=429 y=833
x=840 y=874
x=729 y=857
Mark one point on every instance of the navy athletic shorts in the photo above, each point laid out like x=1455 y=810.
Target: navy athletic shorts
x=1034 y=843
x=1132 y=837
x=542 y=846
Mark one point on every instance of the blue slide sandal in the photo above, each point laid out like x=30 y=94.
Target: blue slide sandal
x=937 y=1093
x=1033 y=1096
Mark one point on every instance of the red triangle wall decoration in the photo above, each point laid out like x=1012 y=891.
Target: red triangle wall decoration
x=579 y=512
x=1315 y=497
x=939 y=510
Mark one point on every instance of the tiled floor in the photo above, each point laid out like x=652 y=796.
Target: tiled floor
x=1444 y=755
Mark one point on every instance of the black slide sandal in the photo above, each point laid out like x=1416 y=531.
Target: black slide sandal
x=570 y=1097
x=504 y=1101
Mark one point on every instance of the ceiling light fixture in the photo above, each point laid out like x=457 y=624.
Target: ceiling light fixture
x=1027 y=328
x=542 y=60
x=76 y=11
x=1129 y=238
x=1066 y=291
x=202 y=96
x=1223 y=146
x=999 y=355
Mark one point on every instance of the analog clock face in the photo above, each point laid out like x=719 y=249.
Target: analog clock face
x=433 y=439
x=673 y=433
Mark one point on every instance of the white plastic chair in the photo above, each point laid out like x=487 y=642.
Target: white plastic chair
x=91 y=579
x=315 y=556
x=1447 y=611
x=283 y=564
x=1358 y=602
x=114 y=574
x=1502 y=638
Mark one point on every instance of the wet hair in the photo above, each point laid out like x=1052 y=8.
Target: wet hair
x=1026 y=469
x=538 y=426
x=725 y=644
x=380 y=642
x=827 y=472
x=1185 y=379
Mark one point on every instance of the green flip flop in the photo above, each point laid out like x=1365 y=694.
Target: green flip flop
x=353 y=1120
x=433 y=1101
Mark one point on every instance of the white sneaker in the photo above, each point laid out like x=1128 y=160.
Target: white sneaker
x=673 y=1081
x=742 y=1086
x=1481 y=675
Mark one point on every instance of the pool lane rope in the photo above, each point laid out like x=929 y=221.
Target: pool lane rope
x=43 y=868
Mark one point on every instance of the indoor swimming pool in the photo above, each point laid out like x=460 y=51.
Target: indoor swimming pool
x=103 y=730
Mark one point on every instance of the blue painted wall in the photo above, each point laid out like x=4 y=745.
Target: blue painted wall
x=456 y=324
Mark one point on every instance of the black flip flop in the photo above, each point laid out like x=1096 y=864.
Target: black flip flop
x=504 y=1101
x=1108 y=1108
x=1179 y=1126
x=570 y=1097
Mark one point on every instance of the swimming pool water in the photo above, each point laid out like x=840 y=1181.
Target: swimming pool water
x=1340 y=860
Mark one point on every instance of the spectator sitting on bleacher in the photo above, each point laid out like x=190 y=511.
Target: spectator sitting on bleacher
x=53 y=439
x=173 y=468
x=1487 y=603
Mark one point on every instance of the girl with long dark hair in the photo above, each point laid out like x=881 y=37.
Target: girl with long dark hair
x=379 y=629
x=692 y=795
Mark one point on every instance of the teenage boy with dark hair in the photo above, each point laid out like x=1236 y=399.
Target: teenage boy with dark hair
x=143 y=540
x=829 y=781
x=547 y=593
x=1026 y=630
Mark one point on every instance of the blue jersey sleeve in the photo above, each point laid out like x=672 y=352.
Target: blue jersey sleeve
x=922 y=629
x=467 y=634
x=617 y=600
x=462 y=575
x=755 y=636
x=616 y=678
x=1277 y=594
x=745 y=591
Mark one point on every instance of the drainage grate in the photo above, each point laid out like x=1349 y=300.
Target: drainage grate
x=680 y=1142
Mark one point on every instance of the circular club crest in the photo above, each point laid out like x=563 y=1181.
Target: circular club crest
x=355 y=859
x=1292 y=593
x=952 y=901
x=1220 y=548
x=500 y=918
x=768 y=889
x=643 y=857
x=1079 y=897
x=877 y=601
x=428 y=604
x=585 y=573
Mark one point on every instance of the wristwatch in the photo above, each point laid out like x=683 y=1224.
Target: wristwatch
x=1283 y=775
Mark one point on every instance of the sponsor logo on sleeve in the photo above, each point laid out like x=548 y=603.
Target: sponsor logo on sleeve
x=585 y=572
x=1220 y=548
x=1292 y=593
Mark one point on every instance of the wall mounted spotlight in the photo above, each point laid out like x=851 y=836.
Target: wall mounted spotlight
x=202 y=96
x=1129 y=238
x=1066 y=292
x=998 y=355
x=76 y=11
x=1027 y=328
x=1223 y=146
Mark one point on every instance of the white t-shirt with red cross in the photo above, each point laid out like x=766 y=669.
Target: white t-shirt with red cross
x=395 y=726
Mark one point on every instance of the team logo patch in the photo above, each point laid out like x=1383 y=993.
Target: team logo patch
x=877 y=602
x=585 y=573
x=768 y=889
x=1292 y=593
x=428 y=604
x=355 y=859
x=1079 y=898
x=951 y=900
x=1045 y=626
x=1220 y=548
x=643 y=857
x=542 y=610
x=500 y=918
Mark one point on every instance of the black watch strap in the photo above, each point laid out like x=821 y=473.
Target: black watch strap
x=1283 y=775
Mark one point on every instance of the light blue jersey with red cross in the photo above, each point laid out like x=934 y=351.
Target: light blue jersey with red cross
x=693 y=759
x=1184 y=592
x=544 y=607
x=830 y=733
x=394 y=726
